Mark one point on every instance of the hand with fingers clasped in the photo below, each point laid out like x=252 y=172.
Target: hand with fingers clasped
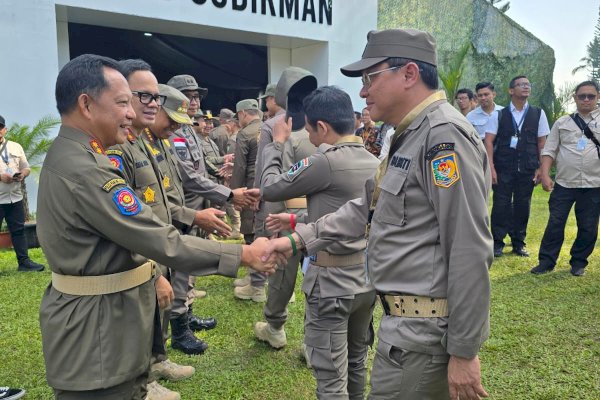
x=253 y=256
x=278 y=222
x=245 y=198
x=211 y=220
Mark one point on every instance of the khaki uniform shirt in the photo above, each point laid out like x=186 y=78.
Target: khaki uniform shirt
x=89 y=222
x=221 y=137
x=191 y=166
x=164 y=156
x=265 y=208
x=12 y=160
x=328 y=178
x=429 y=232
x=244 y=167
x=142 y=175
x=212 y=158
x=575 y=168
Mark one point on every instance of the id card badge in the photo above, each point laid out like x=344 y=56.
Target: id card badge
x=513 y=142
x=581 y=143
x=305 y=263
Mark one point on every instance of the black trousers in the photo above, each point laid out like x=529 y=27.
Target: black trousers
x=14 y=213
x=510 y=211
x=587 y=206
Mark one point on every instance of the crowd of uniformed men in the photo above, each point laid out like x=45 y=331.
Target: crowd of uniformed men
x=138 y=178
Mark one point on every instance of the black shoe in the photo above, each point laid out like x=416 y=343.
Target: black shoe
x=539 y=270
x=521 y=252
x=498 y=252
x=200 y=324
x=183 y=339
x=29 y=266
x=7 y=393
x=577 y=271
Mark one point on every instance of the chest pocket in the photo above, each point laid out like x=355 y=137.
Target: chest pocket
x=145 y=184
x=391 y=206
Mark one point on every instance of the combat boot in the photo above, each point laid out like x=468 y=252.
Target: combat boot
x=183 y=339
x=158 y=392
x=249 y=292
x=242 y=281
x=275 y=337
x=200 y=324
x=171 y=371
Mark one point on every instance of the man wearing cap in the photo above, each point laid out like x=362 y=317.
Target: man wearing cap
x=156 y=139
x=13 y=169
x=220 y=134
x=98 y=313
x=250 y=118
x=425 y=211
x=269 y=98
x=293 y=86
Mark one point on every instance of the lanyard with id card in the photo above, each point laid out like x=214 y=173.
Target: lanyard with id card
x=514 y=140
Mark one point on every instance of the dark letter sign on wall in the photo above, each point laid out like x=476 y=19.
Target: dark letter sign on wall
x=313 y=11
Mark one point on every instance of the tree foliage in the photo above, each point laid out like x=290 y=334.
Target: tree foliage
x=35 y=143
x=451 y=73
x=591 y=61
x=561 y=102
x=503 y=8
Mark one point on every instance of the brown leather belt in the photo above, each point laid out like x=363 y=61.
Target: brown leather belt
x=324 y=259
x=103 y=284
x=414 y=306
x=298 y=202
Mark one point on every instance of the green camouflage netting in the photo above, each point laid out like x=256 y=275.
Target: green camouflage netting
x=501 y=48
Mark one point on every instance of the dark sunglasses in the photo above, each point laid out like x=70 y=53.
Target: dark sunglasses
x=196 y=124
x=586 y=96
x=146 y=98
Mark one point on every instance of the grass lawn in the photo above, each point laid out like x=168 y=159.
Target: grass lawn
x=544 y=344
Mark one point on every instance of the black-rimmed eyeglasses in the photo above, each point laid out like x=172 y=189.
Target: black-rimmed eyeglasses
x=146 y=98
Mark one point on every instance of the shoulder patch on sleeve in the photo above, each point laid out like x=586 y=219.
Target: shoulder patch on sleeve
x=437 y=148
x=445 y=171
x=116 y=161
x=126 y=201
x=299 y=167
x=114 y=152
x=108 y=186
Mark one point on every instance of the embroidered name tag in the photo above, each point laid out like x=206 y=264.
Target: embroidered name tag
x=108 y=186
x=437 y=148
x=398 y=161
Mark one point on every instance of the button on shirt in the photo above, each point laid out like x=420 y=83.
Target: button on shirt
x=543 y=129
x=574 y=168
x=12 y=160
x=479 y=118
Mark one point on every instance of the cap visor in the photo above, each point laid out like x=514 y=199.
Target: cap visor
x=355 y=69
x=178 y=117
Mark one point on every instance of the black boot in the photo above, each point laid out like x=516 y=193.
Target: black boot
x=182 y=337
x=199 y=324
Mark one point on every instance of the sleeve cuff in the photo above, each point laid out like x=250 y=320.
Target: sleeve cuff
x=188 y=216
x=231 y=256
x=309 y=237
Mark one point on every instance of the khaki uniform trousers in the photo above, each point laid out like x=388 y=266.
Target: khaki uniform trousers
x=407 y=375
x=338 y=332
x=134 y=389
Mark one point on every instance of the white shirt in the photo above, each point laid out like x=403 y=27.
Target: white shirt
x=479 y=118
x=543 y=128
x=385 y=148
x=12 y=160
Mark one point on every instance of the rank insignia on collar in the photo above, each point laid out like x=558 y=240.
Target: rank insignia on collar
x=166 y=182
x=152 y=149
x=116 y=161
x=149 y=135
x=167 y=143
x=149 y=195
x=131 y=138
x=126 y=202
x=96 y=146
x=445 y=171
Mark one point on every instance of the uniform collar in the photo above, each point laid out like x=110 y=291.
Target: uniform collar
x=349 y=139
x=88 y=141
x=416 y=116
x=513 y=108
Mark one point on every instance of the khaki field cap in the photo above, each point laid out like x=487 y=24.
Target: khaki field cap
x=381 y=45
x=186 y=82
x=176 y=104
x=248 y=104
x=269 y=91
x=226 y=114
